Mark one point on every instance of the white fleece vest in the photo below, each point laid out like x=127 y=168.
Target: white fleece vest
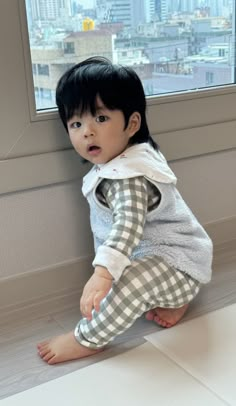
x=170 y=231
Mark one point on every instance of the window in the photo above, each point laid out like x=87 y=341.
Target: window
x=209 y=78
x=43 y=70
x=174 y=46
x=69 y=48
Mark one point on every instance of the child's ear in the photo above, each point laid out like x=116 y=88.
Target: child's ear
x=134 y=123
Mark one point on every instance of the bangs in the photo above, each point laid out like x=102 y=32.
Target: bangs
x=83 y=88
x=79 y=99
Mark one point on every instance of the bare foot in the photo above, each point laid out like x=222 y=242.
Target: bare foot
x=63 y=348
x=166 y=317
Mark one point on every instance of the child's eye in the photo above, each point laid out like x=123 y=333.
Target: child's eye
x=101 y=119
x=76 y=124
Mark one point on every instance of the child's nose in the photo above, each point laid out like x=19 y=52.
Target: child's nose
x=89 y=130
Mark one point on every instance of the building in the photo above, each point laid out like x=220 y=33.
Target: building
x=201 y=25
x=156 y=10
x=128 y=12
x=50 y=62
x=215 y=8
x=121 y=11
x=161 y=9
x=188 y=5
x=150 y=10
x=131 y=56
x=48 y=10
x=201 y=75
x=138 y=13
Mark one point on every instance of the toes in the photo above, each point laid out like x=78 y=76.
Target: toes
x=42 y=344
x=48 y=357
x=46 y=354
x=150 y=315
x=53 y=360
x=43 y=352
x=161 y=322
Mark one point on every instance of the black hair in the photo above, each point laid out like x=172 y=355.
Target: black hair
x=118 y=87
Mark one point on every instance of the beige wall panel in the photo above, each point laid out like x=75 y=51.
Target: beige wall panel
x=198 y=141
x=40 y=170
x=208 y=184
x=31 y=171
x=190 y=111
x=44 y=227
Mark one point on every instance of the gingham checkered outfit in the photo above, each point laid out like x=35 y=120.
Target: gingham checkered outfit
x=148 y=281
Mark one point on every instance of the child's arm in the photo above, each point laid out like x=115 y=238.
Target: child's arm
x=128 y=201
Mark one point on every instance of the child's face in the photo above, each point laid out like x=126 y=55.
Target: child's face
x=102 y=137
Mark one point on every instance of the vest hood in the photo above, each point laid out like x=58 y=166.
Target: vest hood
x=137 y=160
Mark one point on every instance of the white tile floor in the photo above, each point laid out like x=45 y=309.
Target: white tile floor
x=191 y=364
x=205 y=349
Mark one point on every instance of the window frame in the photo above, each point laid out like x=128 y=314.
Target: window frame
x=155 y=100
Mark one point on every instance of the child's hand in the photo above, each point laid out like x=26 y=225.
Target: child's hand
x=94 y=291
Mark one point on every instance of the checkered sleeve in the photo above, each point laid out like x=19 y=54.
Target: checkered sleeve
x=128 y=200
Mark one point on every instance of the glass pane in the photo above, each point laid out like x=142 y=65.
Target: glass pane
x=174 y=45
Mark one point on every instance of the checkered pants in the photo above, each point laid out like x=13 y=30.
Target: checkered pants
x=147 y=284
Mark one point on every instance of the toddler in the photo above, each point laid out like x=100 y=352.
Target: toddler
x=152 y=255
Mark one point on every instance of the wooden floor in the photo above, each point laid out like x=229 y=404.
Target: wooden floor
x=21 y=368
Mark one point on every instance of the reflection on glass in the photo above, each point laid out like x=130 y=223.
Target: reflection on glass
x=174 y=45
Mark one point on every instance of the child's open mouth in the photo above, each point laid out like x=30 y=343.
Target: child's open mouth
x=94 y=150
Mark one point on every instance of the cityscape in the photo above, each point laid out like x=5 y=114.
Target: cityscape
x=173 y=45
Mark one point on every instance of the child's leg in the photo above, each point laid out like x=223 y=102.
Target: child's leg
x=167 y=316
x=147 y=284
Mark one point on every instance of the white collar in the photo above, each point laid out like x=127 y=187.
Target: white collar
x=137 y=160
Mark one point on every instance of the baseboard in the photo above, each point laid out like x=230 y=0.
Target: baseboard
x=223 y=235
x=44 y=291
x=59 y=287
x=222 y=231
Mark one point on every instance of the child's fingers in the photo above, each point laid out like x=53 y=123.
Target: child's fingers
x=86 y=306
x=97 y=300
